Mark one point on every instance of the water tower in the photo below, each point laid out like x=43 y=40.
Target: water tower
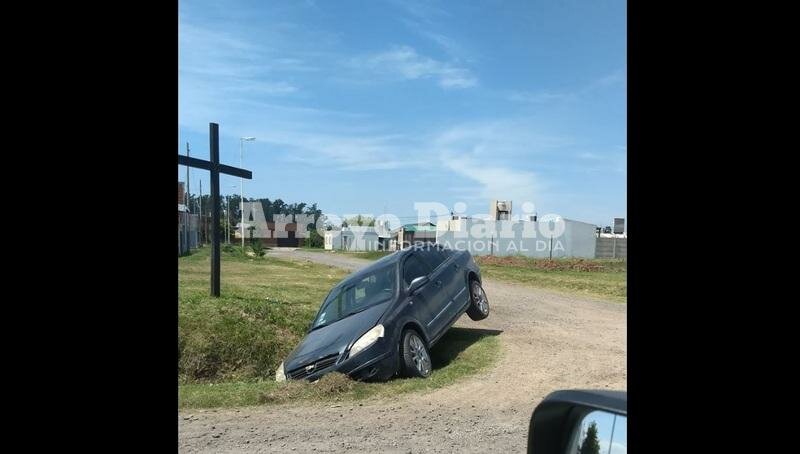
x=500 y=210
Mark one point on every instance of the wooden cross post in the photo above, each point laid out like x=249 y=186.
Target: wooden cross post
x=215 y=168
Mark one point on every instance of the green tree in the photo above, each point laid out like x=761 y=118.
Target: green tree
x=360 y=220
x=591 y=443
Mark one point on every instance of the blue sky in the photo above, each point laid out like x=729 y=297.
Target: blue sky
x=368 y=107
x=605 y=422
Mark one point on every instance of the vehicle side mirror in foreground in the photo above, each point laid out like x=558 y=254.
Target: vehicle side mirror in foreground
x=417 y=284
x=580 y=422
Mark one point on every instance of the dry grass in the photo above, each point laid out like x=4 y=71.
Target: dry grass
x=330 y=387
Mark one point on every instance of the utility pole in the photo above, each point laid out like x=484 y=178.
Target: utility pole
x=241 y=180
x=187 y=179
x=203 y=224
x=187 y=199
x=241 y=189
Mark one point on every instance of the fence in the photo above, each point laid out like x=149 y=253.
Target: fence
x=188 y=235
x=611 y=248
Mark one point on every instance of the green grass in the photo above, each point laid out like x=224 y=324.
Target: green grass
x=602 y=278
x=460 y=353
x=230 y=346
x=264 y=310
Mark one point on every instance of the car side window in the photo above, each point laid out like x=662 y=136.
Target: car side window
x=414 y=268
x=434 y=257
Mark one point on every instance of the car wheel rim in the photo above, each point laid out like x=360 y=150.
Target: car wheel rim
x=479 y=297
x=420 y=357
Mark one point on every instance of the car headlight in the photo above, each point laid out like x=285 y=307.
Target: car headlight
x=369 y=338
x=279 y=375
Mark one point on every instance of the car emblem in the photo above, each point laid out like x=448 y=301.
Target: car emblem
x=310 y=367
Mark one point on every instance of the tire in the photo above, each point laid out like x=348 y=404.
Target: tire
x=414 y=355
x=479 y=303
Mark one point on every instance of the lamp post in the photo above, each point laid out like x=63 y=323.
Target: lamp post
x=241 y=181
x=228 y=212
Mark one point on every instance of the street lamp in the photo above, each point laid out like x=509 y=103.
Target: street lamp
x=228 y=213
x=241 y=180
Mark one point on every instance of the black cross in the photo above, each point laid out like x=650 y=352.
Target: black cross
x=215 y=168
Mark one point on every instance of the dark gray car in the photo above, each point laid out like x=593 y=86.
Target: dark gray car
x=383 y=319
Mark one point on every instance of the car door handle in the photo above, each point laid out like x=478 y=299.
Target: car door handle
x=438 y=283
x=458 y=266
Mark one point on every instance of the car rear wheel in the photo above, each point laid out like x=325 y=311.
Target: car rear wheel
x=479 y=304
x=415 y=355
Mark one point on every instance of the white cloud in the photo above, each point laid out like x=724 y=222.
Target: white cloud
x=495 y=181
x=424 y=11
x=589 y=155
x=405 y=61
x=490 y=154
x=219 y=64
x=540 y=97
x=545 y=96
x=619 y=448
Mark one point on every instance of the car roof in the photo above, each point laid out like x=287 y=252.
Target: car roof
x=392 y=258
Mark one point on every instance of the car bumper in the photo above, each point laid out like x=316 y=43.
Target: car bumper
x=374 y=363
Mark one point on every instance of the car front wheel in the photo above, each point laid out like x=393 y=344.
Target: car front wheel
x=415 y=355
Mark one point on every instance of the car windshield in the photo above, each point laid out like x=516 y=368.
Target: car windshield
x=355 y=296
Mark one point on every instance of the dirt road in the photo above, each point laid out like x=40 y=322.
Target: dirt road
x=550 y=341
x=338 y=259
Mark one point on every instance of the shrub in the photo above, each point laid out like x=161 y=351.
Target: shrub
x=314 y=239
x=258 y=248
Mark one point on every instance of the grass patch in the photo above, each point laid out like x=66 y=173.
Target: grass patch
x=229 y=347
x=370 y=255
x=264 y=310
x=604 y=278
x=460 y=353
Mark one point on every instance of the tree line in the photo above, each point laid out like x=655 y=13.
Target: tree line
x=270 y=208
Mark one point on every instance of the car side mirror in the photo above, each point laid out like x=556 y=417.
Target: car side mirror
x=417 y=284
x=580 y=421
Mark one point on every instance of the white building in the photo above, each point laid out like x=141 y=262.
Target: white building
x=355 y=238
x=519 y=237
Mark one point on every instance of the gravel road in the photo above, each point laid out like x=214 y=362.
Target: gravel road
x=339 y=259
x=550 y=341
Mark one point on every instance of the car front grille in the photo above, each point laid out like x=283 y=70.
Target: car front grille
x=324 y=363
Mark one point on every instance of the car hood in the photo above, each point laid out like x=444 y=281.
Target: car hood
x=334 y=338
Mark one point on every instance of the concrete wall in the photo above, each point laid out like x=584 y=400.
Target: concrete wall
x=360 y=242
x=605 y=248
x=333 y=240
x=527 y=238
